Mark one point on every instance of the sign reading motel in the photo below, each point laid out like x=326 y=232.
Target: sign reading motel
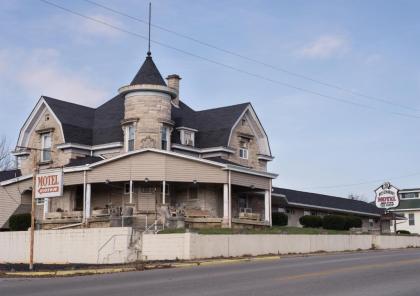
x=49 y=184
x=387 y=196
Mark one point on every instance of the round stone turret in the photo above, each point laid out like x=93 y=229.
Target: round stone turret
x=148 y=109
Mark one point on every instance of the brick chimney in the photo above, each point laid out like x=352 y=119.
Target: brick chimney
x=173 y=82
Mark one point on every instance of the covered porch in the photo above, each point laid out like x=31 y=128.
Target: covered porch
x=146 y=189
x=141 y=204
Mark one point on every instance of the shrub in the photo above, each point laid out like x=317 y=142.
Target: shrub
x=20 y=222
x=335 y=222
x=403 y=232
x=311 y=221
x=353 y=222
x=280 y=219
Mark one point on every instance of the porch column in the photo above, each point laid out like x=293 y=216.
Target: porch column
x=46 y=206
x=226 y=205
x=163 y=192
x=88 y=200
x=267 y=206
x=131 y=191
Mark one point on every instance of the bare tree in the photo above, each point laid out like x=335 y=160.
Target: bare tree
x=359 y=197
x=6 y=161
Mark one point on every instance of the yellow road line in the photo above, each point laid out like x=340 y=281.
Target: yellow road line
x=349 y=269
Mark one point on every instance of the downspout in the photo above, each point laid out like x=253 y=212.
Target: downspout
x=230 y=198
x=84 y=197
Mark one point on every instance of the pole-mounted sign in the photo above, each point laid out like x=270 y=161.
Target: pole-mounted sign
x=387 y=196
x=49 y=184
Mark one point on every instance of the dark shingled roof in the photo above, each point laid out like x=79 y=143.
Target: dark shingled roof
x=213 y=125
x=83 y=160
x=107 y=126
x=77 y=120
x=314 y=199
x=85 y=125
x=148 y=74
x=9 y=174
x=89 y=126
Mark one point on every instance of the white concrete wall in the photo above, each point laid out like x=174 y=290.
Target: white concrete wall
x=120 y=245
x=194 y=246
x=94 y=245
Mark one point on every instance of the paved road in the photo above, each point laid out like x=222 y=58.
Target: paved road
x=378 y=273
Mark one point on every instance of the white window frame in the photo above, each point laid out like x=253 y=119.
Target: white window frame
x=243 y=151
x=184 y=134
x=127 y=137
x=167 y=137
x=40 y=201
x=46 y=150
x=411 y=222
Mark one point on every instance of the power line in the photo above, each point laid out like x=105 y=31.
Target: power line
x=333 y=98
x=280 y=69
x=362 y=183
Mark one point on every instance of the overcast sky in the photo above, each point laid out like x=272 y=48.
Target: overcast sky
x=320 y=143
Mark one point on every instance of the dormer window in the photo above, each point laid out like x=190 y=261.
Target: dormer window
x=130 y=135
x=243 y=149
x=46 y=147
x=164 y=135
x=187 y=136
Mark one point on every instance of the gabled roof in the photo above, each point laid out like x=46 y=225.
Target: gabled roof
x=76 y=120
x=148 y=74
x=315 y=200
x=9 y=174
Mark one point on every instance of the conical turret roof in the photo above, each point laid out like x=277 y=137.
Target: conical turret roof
x=148 y=74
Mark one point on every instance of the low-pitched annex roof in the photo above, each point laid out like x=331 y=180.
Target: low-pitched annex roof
x=316 y=200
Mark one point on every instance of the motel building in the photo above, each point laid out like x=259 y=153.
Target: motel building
x=143 y=159
x=408 y=211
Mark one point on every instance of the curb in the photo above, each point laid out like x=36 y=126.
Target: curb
x=68 y=272
x=223 y=261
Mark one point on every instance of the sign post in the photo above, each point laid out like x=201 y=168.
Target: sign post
x=44 y=185
x=387 y=197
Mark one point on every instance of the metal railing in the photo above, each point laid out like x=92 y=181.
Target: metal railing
x=155 y=228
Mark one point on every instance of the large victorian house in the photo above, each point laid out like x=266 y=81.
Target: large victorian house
x=144 y=157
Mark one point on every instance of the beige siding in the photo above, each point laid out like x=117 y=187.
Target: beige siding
x=178 y=169
x=246 y=180
x=157 y=167
x=73 y=178
x=10 y=199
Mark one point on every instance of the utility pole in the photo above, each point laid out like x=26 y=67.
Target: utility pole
x=31 y=244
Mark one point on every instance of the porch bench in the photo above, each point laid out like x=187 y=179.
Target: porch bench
x=196 y=213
